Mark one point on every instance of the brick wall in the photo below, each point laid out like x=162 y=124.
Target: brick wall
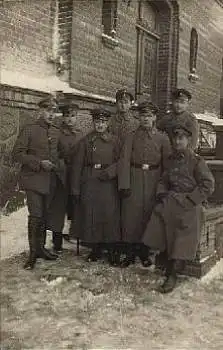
x=206 y=16
x=95 y=67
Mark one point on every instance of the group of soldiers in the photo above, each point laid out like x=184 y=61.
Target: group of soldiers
x=132 y=186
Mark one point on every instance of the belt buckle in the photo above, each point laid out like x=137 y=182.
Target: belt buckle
x=145 y=167
x=97 y=166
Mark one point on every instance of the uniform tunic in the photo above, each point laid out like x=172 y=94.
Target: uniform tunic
x=167 y=122
x=37 y=142
x=140 y=166
x=175 y=223
x=60 y=204
x=98 y=217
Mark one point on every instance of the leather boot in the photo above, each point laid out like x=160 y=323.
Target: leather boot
x=143 y=254
x=129 y=258
x=42 y=251
x=161 y=261
x=95 y=253
x=33 y=227
x=57 y=242
x=171 y=278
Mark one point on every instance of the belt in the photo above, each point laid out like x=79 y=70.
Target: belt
x=97 y=166
x=145 y=166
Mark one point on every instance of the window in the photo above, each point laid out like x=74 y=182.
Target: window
x=109 y=17
x=193 y=50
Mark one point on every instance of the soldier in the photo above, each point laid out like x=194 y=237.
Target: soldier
x=140 y=166
x=123 y=122
x=180 y=101
x=62 y=202
x=94 y=187
x=37 y=149
x=175 y=223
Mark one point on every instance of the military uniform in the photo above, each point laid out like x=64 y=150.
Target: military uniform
x=176 y=220
x=140 y=166
x=167 y=122
x=62 y=201
x=36 y=143
x=94 y=185
x=123 y=123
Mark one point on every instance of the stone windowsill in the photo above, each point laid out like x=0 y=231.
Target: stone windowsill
x=109 y=41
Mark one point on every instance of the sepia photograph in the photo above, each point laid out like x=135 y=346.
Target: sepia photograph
x=111 y=174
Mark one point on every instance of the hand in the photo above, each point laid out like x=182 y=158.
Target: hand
x=103 y=176
x=125 y=193
x=160 y=197
x=47 y=165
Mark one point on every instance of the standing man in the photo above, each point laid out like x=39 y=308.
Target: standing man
x=140 y=166
x=62 y=201
x=180 y=101
x=94 y=187
x=37 y=149
x=123 y=122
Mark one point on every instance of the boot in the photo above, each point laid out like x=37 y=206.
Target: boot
x=33 y=227
x=114 y=255
x=171 y=278
x=143 y=254
x=95 y=253
x=161 y=261
x=42 y=251
x=57 y=242
x=129 y=256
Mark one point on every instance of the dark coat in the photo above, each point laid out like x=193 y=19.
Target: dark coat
x=121 y=127
x=35 y=143
x=141 y=147
x=98 y=217
x=167 y=122
x=61 y=203
x=176 y=221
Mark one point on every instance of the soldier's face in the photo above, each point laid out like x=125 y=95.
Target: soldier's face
x=49 y=115
x=70 y=119
x=180 y=105
x=147 y=119
x=124 y=104
x=181 y=142
x=101 y=125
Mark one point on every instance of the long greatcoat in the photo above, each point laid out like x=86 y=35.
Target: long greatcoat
x=167 y=122
x=150 y=148
x=176 y=221
x=61 y=203
x=98 y=218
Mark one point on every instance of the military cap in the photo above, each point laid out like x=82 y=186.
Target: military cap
x=68 y=104
x=182 y=94
x=121 y=93
x=183 y=126
x=145 y=105
x=48 y=102
x=100 y=114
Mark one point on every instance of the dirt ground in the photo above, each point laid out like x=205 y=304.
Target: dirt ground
x=71 y=304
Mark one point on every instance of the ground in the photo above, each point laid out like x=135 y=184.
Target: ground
x=70 y=304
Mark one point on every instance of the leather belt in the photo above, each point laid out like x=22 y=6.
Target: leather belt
x=97 y=166
x=145 y=167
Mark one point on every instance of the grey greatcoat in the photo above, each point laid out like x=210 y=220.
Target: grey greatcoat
x=61 y=203
x=140 y=166
x=98 y=217
x=176 y=221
